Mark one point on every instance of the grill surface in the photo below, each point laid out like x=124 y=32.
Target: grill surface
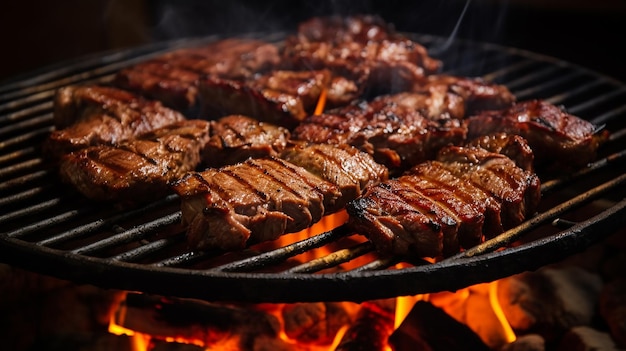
x=50 y=229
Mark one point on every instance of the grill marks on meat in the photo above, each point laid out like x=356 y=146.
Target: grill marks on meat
x=553 y=134
x=262 y=199
x=235 y=138
x=257 y=200
x=394 y=134
x=173 y=77
x=94 y=115
x=362 y=48
x=281 y=97
x=139 y=169
x=350 y=169
x=443 y=205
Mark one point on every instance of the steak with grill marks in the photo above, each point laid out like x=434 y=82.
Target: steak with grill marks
x=395 y=135
x=93 y=115
x=262 y=199
x=362 y=48
x=173 y=77
x=281 y=97
x=235 y=138
x=137 y=170
x=442 y=205
x=347 y=167
x=555 y=136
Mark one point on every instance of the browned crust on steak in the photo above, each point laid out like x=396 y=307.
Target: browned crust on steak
x=94 y=115
x=257 y=200
x=140 y=169
x=236 y=138
x=555 y=136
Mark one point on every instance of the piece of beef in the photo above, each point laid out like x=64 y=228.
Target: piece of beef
x=362 y=48
x=173 y=77
x=93 y=115
x=477 y=94
x=555 y=136
x=235 y=138
x=440 y=206
x=347 y=167
x=281 y=97
x=253 y=201
x=395 y=135
x=262 y=199
x=140 y=169
x=512 y=146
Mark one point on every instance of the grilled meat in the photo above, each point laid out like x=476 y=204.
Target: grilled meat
x=235 y=138
x=281 y=97
x=140 y=169
x=554 y=135
x=343 y=165
x=172 y=78
x=395 y=135
x=476 y=93
x=513 y=146
x=94 y=115
x=257 y=200
x=262 y=199
x=362 y=48
x=440 y=206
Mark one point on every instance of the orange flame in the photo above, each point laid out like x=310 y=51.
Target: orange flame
x=321 y=102
x=497 y=309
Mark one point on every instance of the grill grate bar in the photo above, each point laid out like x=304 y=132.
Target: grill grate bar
x=99 y=224
x=334 y=259
x=40 y=225
x=31 y=177
x=24 y=195
x=534 y=91
x=590 y=103
x=130 y=235
x=509 y=70
x=510 y=236
x=41 y=108
x=28 y=137
x=285 y=252
x=22 y=166
x=536 y=75
x=15 y=155
x=149 y=249
x=609 y=115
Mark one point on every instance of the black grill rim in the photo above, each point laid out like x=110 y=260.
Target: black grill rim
x=357 y=285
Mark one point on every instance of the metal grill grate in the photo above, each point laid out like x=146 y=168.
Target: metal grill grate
x=48 y=228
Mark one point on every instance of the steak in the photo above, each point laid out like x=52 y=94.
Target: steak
x=555 y=136
x=93 y=115
x=465 y=195
x=262 y=199
x=281 y=97
x=362 y=48
x=350 y=169
x=140 y=169
x=173 y=77
x=395 y=135
x=235 y=138
x=253 y=201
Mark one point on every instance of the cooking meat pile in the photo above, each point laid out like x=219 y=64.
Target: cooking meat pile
x=262 y=139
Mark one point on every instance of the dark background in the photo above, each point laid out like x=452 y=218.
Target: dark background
x=35 y=34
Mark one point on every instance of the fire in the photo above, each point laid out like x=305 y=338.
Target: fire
x=489 y=323
x=321 y=102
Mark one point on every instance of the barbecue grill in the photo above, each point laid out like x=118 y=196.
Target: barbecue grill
x=49 y=228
